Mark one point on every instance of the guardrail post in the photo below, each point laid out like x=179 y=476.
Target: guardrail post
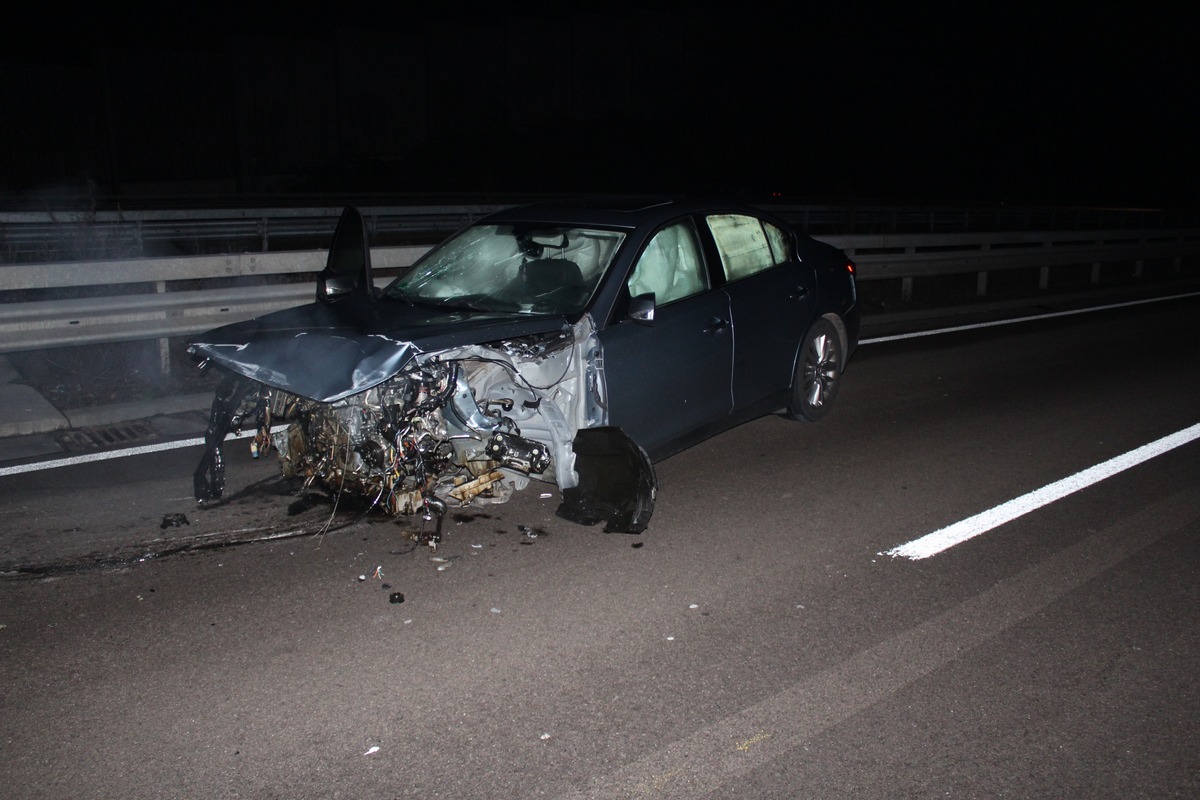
x=1044 y=275
x=906 y=283
x=981 y=279
x=164 y=345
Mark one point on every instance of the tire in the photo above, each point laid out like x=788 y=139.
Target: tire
x=818 y=373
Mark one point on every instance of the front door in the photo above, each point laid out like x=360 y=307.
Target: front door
x=673 y=376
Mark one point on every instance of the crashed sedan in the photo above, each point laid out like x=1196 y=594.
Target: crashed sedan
x=571 y=344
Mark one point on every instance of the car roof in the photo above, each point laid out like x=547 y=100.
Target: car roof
x=612 y=212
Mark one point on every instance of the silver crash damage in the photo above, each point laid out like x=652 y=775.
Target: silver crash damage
x=466 y=424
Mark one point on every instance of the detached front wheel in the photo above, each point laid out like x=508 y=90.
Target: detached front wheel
x=818 y=373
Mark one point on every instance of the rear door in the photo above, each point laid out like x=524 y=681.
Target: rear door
x=668 y=378
x=772 y=295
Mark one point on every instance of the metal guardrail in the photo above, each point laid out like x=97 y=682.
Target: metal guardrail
x=40 y=236
x=46 y=236
x=916 y=256
x=148 y=298
x=155 y=297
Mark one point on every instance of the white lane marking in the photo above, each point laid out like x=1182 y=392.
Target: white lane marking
x=773 y=733
x=111 y=454
x=933 y=543
x=1014 y=321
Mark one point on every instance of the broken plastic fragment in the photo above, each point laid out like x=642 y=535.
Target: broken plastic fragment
x=495 y=611
x=617 y=483
x=545 y=736
x=372 y=749
x=694 y=606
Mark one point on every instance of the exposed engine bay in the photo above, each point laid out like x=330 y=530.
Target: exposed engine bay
x=467 y=424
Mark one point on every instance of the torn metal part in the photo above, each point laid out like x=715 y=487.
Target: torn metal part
x=208 y=481
x=468 y=491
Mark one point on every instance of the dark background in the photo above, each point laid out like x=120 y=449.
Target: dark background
x=1017 y=103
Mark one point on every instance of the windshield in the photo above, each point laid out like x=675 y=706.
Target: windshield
x=528 y=269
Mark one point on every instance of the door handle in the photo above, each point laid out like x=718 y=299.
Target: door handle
x=799 y=293
x=716 y=326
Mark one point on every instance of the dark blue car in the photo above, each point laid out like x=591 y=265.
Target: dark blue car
x=572 y=343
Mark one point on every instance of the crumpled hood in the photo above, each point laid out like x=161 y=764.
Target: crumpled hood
x=326 y=353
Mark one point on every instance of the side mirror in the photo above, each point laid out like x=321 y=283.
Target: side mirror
x=641 y=309
x=348 y=267
x=333 y=287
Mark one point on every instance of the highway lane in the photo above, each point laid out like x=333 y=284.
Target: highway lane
x=757 y=644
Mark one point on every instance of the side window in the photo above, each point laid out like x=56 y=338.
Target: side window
x=780 y=241
x=747 y=244
x=670 y=266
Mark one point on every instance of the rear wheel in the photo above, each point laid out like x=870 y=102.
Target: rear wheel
x=818 y=373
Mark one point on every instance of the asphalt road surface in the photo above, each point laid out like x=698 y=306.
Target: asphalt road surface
x=757 y=641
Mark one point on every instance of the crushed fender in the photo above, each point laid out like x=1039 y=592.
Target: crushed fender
x=617 y=482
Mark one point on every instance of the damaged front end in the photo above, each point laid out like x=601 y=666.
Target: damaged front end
x=460 y=424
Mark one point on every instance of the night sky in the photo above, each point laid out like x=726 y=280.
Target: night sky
x=1018 y=103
